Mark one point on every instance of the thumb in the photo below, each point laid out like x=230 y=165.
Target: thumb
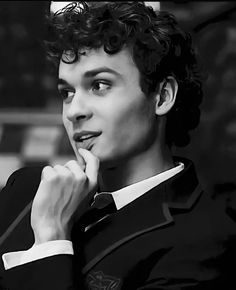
x=92 y=165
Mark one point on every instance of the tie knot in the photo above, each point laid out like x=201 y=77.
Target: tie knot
x=102 y=200
x=102 y=205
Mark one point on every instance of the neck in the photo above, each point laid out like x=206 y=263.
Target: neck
x=136 y=169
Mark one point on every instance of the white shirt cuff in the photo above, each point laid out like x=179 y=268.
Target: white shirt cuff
x=36 y=252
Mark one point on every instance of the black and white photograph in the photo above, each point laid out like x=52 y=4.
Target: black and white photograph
x=117 y=145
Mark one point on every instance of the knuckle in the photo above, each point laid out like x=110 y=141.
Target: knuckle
x=57 y=167
x=48 y=174
x=82 y=178
x=53 y=178
x=46 y=169
x=61 y=171
x=71 y=162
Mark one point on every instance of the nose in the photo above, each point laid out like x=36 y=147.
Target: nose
x=78 y=109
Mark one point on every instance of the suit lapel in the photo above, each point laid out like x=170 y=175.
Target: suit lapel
x=154 y=210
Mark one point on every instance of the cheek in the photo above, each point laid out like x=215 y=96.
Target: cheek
x=68 y=127
x=132 y=122
x=65 y=122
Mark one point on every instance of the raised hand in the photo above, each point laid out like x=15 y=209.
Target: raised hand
x=61 y=192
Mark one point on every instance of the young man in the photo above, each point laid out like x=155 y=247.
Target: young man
x=130 y=89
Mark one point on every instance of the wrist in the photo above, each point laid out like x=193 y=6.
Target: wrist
x=48 y=234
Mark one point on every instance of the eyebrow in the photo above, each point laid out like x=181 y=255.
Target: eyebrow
x=92 y=73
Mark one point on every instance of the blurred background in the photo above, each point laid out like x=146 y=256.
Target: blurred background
x=31 y=131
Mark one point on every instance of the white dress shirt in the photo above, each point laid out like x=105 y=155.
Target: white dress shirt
x=122 y=197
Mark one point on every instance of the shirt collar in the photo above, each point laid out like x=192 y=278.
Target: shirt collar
x=125 y=195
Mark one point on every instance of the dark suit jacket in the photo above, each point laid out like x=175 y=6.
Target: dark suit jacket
x=173 y=237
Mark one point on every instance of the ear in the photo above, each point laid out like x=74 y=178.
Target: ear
x=165 y=99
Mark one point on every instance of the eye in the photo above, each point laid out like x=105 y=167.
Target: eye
x=100 y=87
x=66 y=94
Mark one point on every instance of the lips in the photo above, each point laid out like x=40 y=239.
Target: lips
x=84 y=139
x=85 y=135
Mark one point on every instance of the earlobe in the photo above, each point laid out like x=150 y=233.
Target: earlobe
x=165 y=99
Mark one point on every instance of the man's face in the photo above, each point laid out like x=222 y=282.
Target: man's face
x=104 y=108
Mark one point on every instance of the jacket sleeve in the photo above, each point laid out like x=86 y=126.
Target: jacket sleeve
x=17 y=193
x=54 y=272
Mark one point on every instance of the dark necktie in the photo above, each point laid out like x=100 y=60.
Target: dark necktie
x=102 y=205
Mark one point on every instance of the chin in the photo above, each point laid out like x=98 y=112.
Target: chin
x=104 y=157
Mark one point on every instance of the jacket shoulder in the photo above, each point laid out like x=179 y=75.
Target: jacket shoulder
x=19 y=190
x=22 y=181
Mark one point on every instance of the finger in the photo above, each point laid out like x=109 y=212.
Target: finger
x=76 y=163
x=81 y=161
x=47 y=173
x=92 y=165
x=75 y=168
x=62 y=170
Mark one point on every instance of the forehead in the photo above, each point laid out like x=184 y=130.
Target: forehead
x=93 y=59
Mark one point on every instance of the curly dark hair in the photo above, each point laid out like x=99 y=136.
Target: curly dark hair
x=159 y=48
